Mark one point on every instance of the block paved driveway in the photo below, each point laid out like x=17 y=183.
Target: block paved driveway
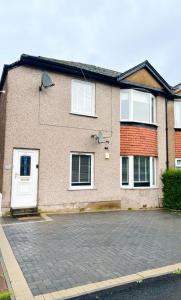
x=78 y=249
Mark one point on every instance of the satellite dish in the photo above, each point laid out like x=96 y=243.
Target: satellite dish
x=46 y=81
x=100 y=137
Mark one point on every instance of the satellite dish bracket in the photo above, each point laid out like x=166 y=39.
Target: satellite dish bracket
x=98 y=137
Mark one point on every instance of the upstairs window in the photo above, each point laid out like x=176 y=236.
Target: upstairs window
x=83 y=98
x=177 y=112
x=137 y=106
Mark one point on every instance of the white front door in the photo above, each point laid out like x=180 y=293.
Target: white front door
x=24 y=178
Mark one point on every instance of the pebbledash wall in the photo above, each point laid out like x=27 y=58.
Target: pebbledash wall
x=42 y=120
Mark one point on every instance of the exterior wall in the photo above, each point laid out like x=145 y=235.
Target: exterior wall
x=42 y=120
x=2 y=131
x=177 y=144
x=171 y=134
x=136 y=140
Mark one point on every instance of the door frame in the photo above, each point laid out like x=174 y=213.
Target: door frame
x=31 y=149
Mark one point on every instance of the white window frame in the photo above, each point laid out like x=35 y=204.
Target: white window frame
x=176 y=164
x=82 y=187
x=153 y=160
x=131 y=93
x=175 y=113
x=131 y=173
x=83 y=82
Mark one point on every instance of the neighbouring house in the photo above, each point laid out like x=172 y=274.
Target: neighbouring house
x=94 y=137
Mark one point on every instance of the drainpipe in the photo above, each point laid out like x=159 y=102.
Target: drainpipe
x=166 y=117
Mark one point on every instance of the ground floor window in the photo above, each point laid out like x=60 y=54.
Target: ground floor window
x=178 y=163
x=138 y=171
x=81 y=170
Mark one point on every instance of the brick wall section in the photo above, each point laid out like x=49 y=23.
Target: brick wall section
x=178 y=144
x=138 y=141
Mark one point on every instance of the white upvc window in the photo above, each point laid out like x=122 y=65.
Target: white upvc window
x=178 y=163
x=137 y=171
x=137 y=106
x=83 y=97
x=177 y=113
x=81 y=170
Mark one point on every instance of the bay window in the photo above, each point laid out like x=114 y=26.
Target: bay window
x=138 y=171
x=137 y=106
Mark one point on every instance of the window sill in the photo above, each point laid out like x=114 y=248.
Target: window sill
x=136 y=123
x=139 y=188
x=82 y=115
x=81 y=188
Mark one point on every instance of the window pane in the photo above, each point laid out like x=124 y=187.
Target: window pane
x=153 y=171
x=75 y=168
x=136 y=168
x=147 y=177
x=141 y=107
x=178 y=164
x=25 y=165
x=125 y=171
x=124 y=106
x=87 y=99
x=142 y=168
x=85 y=169
x=153 y=110
x=141 y=171
x=81 y=169
x=178 y=114
x=83 y=97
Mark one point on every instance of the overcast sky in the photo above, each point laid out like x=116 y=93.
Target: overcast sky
x=116 y=34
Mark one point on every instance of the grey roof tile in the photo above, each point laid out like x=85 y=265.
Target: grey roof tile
x=88 y=67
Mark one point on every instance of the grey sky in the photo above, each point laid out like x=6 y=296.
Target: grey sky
x=117 y=34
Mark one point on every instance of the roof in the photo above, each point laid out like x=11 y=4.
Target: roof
x=145 y=64
x=177 y=88
x=88 y=67
x=89 y=71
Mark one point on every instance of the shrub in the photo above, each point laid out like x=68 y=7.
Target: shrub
x=172 y=189
x=5 y=296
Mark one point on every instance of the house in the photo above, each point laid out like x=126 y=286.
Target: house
x=95 y=137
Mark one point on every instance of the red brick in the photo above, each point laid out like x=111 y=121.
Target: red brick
x=138 y=141
x=178 y=144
